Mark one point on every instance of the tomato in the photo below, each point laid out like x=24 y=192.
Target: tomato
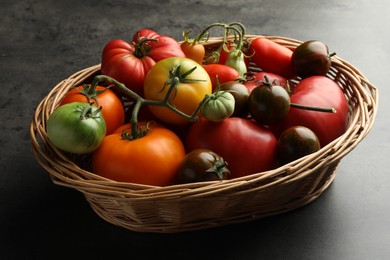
x=223 y=72
x=272 y=57
x=218 y=107
x=268 y=104
x=202 y=165
x=274 y=78
x=236 y=60
x=223 y=56
x=152 y=159
x=112 y=107
x=318 y=91
x=311 y=58
x=76 y=127
x=296 y=142
x=186 y=97
x=245 y=145
x=193 y=51
x=241 y=94
x=129 y=63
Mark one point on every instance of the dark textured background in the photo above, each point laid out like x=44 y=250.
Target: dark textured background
x=43 y=42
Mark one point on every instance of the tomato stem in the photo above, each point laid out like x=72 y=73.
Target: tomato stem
x=319 y=109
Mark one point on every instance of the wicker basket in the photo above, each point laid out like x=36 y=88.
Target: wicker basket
x=197 y=206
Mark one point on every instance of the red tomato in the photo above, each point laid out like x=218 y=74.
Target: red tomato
x=318 y=91
x=272 y=77
x=129 y=63
x=225 y=74
x=246 y=146
x=272 y=57
x=151 y=160
x=112 y=107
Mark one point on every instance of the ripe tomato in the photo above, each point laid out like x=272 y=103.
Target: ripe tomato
x=76 y=127
x=202 y=165
x=318 y=91
x=152 y=159
x=274 y=78
x=129 y=63
x=187 y=95
x=193 y=51
x=225 y=73
x=272 y=57
x=241 y=94
x=112 y=107
x=145 y=33
x=245 y=145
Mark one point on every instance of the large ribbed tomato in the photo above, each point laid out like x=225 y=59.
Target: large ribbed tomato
x=186 y=96
x=130 y=62
x=152 y=159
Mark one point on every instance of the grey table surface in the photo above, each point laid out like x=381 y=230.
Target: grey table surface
x=43 y=42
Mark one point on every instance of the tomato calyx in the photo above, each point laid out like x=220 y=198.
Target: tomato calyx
x=88 y=112
x=220 y=167
x=90 y=92
x=142 y=46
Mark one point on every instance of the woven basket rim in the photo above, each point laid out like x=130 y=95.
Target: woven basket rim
x=365 y=111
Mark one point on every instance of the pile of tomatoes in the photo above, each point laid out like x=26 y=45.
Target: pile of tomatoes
x=165 y=112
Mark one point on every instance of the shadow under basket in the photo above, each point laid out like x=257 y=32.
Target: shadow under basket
x=196 y=206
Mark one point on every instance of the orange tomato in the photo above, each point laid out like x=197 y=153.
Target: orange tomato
x=188 y=94
x=152 y=159
x=112 y=108
x=193 y=51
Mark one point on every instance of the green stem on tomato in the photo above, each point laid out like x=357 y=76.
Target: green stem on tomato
x=319 y=109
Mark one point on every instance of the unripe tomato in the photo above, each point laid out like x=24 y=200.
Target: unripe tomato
x=219 y=107
x=76 y=127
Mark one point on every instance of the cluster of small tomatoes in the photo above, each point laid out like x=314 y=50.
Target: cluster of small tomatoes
x=165 y=112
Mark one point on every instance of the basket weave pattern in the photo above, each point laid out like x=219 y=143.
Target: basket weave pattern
x=197 y=206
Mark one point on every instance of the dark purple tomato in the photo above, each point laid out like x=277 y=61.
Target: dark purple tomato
x=241 y=94
x=311 y=58
x=296 y=142
x=268 y=104
x=202 y=165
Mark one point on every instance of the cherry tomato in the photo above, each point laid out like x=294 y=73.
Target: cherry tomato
x=223 y=72
x=112 y=107
x=76 y=127
x=241 y=94
x=323 y=92
x=296 y=142
x=202 y=165
x=152 y=159
x=268 y=104
x=245 y=145
x=272 y=57
x=311 y=58
x=188 y=94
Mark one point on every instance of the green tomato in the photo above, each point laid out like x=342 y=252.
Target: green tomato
x=236 y=60
x=218 y=107
x=76 y=127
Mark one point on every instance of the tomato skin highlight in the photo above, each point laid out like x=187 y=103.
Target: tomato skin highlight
x=112 y=107
x=150 y=160
x=67 y=131
x=187 y=96
x=245 y=145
